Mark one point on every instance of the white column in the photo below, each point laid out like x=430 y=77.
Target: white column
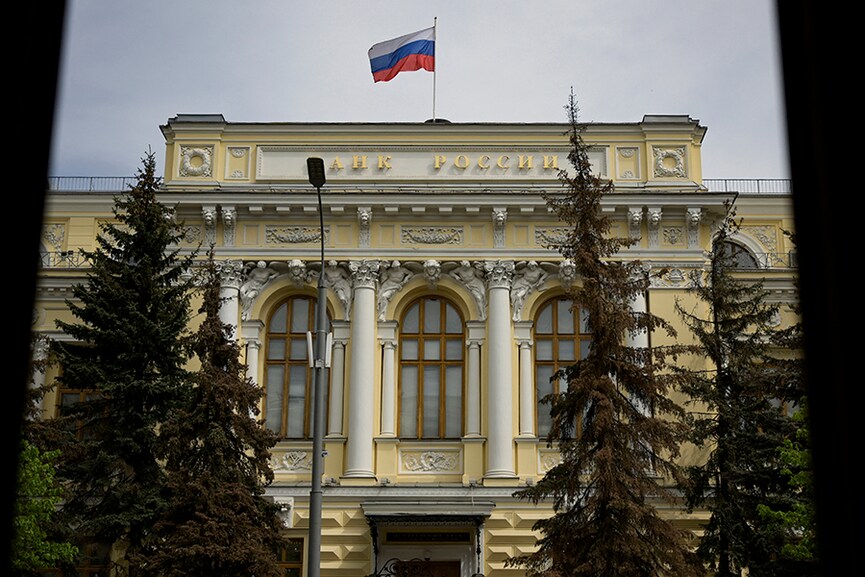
x=475 y=330
x=500 y=443
x=337 y=378
x=359 y=445
x=251 y=332
x=387 y=338
x=230 y=275
x=41 y=348
x=523 y=334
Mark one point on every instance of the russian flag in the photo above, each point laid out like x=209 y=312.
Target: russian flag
x=407 y=53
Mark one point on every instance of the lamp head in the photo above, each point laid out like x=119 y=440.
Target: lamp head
x=315 y=168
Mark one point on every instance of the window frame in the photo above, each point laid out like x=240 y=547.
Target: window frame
x=580 y=337
x=421 y=364
x=291 y=339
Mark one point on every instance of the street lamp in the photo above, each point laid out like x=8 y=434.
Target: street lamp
x=315 y=168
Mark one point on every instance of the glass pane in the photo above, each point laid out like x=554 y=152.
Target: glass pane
x=431 y=350
x=432 y=316
x=299 y=315
x=431 y=402
x=276 y=349
x=273 y=408
x=584 y=320
x=543 y=350
x=296 y=401
x=293 y=551
x=277 y=321
x=408 y=348
x=453 y=402
x=584 y=348
x=544 y=323
x=299 y=349
x=69 y=399
x=409 y=321
x=453 y=322
x=544 y=387
x=454 y=349
x=565 y=318
x=408 y=402
x=566 y=350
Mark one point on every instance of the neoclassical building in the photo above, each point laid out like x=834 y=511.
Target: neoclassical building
x=448 y=309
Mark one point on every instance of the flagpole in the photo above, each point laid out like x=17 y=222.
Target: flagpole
x=435 y=22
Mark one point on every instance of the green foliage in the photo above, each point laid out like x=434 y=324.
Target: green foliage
x=216 y=521
x=737 y=415
x=37 y=498
x=614 y=425
x=127 y=353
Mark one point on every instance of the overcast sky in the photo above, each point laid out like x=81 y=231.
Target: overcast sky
x=130 y=65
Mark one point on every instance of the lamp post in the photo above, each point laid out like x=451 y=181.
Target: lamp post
x=315 y=168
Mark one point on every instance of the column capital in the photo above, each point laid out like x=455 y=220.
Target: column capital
x=364 y=273
x=500 y=273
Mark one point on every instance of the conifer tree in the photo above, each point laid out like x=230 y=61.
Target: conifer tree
x=614 y=425
x=217 y=522
x=126 y=357
x=737 y=415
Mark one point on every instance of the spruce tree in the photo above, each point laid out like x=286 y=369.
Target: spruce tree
x=605 y=522
x=736 y=413
x=217 y=522
x=126 y=357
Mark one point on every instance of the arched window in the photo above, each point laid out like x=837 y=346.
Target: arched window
x=288 y=376
x=737 y=256
x=560 y=339
x=431 y=345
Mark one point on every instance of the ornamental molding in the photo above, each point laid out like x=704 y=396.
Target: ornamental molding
x=500 y=273
x=393 y=278
x=294 y=234
x=237 y=152
x=257 y=275
x=635 y=219
x=208 y=214
x=547 y=459
x=298 y=273
x=470 y=276
x=230 y=273
x=654 y=222
x=432 y=272
x=364 y=219
x=527 y=279
x=229 y=220
x=196 y=161
x=551 y=236
x=431 y=235
x=54 y=235
x=669 y=161
x=567 y=273
x=692 y=223
x=364 y=273
x=500 y=218
x=292 y=462
x=675 y=276
x=441 y=461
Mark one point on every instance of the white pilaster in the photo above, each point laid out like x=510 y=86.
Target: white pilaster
x=359 y=445
x=251 y=332
x=475 y=333
x=639 y=340
x=337 y=378
x=387 y=338
x=500 y=443
x=523 y=334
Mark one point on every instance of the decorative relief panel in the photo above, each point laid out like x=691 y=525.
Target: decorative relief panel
x=669 y=162
x=547 y=459
x=628 y=162
x=673 y=235
x=551 y=236
x=291 y=462
x=237 y=163
x=196 y=161
x=294 y=234
x=764 y=234
x=438 y=461
x=54 y=235
x=192 y=234
x=431 y=235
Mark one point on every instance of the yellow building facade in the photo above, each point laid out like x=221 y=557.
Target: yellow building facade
x=448 y=307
